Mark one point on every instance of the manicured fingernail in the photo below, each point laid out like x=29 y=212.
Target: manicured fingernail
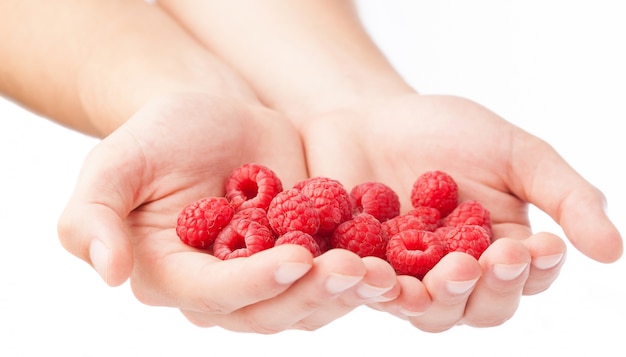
x=336 y=283
x=509 y=271
x=287 y=273
x=548 y=261
x=460 y=287
x=99 y=256
x=409 y=313
x=367 y=291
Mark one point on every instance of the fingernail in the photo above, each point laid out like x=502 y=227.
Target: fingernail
x=509 y=271
x=99 y=256
x=548 y=261
x=367 y=291
x=336 y=283
x=287 y=273
x=460 y=287
x=409 y=313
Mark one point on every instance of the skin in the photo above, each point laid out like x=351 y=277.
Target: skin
x=360 y=121
x=178 y=111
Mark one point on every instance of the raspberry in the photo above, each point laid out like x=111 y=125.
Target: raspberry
x=291 y=210
x=469 y=213
x=428 y=215
x=331 y=200
x=252 y=185
x=242 y=239
x=363 y=235
x=377 y=199
x=404 y=222
x=435 y=189
x=199 y=223
x=256 y=214
x=414 y=252
x=300 y=238
x=470 y=239
x=323 y=241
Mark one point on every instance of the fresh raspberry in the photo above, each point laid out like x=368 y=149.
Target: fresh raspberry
x=414 y=252
x=428 y=215
x=252 y=185
x=242 y=239
x=291 y=210
x=469 y=213
x=377 y=199
x=323 y=241
x=470 y=239
x=331 y=200
x=405 y=222
x=363 y=235
x=199 y=223
x=256 y=214
x=300 y=238
x=435 y=189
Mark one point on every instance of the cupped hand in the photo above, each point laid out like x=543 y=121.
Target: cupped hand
x=502 y=166
x=178 y=148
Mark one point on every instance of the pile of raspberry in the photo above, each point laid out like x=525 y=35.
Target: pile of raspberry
x=319 y=213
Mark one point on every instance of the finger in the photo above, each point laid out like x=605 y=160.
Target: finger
x=449 y=283
x=496 y=297
x=96 y=234
x=198 y=282
x=333 y=273
x=378 y=283
x=548 y=255
x=548 y=182
x=412 y=299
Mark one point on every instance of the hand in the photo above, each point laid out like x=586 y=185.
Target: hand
x=494 y=162
x=177 y=149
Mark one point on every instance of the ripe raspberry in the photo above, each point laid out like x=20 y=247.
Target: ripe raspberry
x=363 y=235
x=199 y=223
x=331 y=200
x=252 y=185
x=323 y=241
x=414 y=252
x=242 y=239
x=435 y=189
x=256 y=214
x=469 y=213
x=428 y=215
x=291 y=210
x=405 y=222
x=470 y=239
x=377 y=199
x=300 y=238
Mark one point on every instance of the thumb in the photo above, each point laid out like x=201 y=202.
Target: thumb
x=578 y=206
x=96 y=234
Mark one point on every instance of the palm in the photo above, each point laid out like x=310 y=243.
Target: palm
x=397 y=142
x=170 y=153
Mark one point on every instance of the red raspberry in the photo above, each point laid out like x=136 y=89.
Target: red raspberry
x=300 y=238
x=414 y=252
x=469 y=213
x=199 y=223
x=428 y=215
x=252 y=185
x=363 y=235
x=291 y=210
x=242 y=239
x=435 y=189
x=256 y=214
x=377 y=199
x=323 y=241
x=331 y=200
x=405 y=222
x=471 y=239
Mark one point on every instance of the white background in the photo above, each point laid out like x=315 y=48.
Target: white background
x=555 y=68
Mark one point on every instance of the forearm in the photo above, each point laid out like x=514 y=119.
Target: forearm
x=90 y=64
x=306 y=56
